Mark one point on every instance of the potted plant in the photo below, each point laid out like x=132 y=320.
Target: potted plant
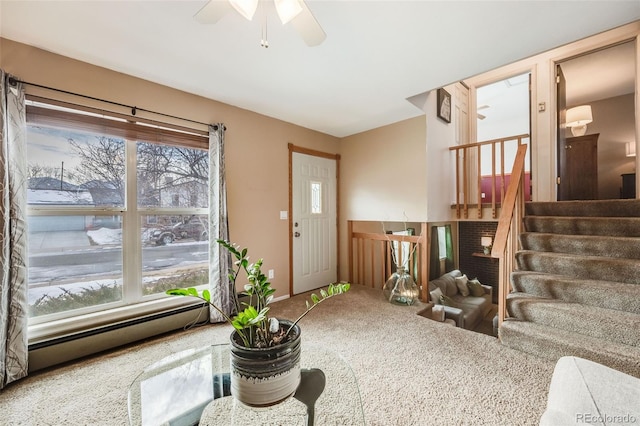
x=265 y=351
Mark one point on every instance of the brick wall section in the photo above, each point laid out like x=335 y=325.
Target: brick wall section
x=485 y=269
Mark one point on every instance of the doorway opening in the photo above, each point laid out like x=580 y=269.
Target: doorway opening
x=604 y=81
x=503 y=110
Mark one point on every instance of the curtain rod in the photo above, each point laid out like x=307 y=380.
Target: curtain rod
x=13 y=81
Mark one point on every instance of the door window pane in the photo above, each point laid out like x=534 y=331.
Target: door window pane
x=316 y=197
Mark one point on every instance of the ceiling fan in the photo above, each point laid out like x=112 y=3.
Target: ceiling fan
x=481 y=116
x=294 y=11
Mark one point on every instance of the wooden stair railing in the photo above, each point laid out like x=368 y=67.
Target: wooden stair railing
x=370 y=259
x=510 y=226
x=465 y=179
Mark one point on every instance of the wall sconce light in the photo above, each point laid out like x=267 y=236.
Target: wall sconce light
x=577 y=119
x=630 y=149
x=485 y=242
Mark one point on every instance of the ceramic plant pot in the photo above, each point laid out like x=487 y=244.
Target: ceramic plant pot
x=262 y=377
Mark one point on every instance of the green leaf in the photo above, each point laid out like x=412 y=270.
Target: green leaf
x=260 y=316
x=177 y=292
x=192 y=291
x=315 y=298
x=206 y=295
x=324 y=294
x=330 y=289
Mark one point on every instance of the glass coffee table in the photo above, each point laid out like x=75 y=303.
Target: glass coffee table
x=192 y=387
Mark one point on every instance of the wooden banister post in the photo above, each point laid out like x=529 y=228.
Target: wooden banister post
x=424 y=261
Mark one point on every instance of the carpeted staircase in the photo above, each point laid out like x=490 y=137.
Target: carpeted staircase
x=576 y=289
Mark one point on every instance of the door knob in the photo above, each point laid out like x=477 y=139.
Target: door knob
x=296 y=234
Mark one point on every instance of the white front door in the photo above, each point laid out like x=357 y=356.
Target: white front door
x=314 y=219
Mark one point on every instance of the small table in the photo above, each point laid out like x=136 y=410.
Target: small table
x=191 y=387
x=427 y=312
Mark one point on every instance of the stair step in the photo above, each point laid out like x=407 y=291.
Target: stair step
x=591 y=245
x=570 y=225
x=605 y=324
x=553 y=343
x=620 y=208
x=605 y=294
x=576 y=266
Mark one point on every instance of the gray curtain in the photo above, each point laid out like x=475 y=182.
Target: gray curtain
x=13 y=252
x=222 y=295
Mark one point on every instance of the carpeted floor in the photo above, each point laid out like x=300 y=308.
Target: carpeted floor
x=410 y=370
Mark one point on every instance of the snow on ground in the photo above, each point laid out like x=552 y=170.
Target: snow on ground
x=53 y=291
x=105 y=236
x=48 y=196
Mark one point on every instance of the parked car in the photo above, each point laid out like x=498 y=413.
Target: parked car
x=194 y=229
x=161 y=236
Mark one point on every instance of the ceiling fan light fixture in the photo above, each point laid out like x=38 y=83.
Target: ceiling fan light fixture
x=288 y=9
x=246 y=8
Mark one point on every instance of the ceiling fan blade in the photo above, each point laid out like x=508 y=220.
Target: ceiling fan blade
x=212 y=11
x=307 y=26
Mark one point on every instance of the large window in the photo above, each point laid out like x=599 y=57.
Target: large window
x=118 y=211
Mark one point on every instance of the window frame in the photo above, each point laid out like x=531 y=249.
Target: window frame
x=133 y=305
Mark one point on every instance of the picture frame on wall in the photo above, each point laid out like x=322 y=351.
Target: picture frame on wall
x=444 y=105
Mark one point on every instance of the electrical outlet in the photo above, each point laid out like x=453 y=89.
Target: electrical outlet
x=271 y=274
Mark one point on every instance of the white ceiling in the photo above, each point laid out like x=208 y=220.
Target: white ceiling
x=376 y=55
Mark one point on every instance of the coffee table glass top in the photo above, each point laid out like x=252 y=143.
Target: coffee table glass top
x=190 y=387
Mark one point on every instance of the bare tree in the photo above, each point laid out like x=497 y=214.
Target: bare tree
x=103 y=162
x=166 y=168
x=159 y=168
x=35 y=170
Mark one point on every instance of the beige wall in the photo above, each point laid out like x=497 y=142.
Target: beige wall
x=440 y=179
x=383 y=173
x=256 y=145
x=383 y=177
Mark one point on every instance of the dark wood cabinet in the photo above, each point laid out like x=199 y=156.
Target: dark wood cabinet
x=628 y=186
x=579 y=168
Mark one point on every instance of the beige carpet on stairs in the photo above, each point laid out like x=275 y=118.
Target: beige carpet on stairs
x=410 y=370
